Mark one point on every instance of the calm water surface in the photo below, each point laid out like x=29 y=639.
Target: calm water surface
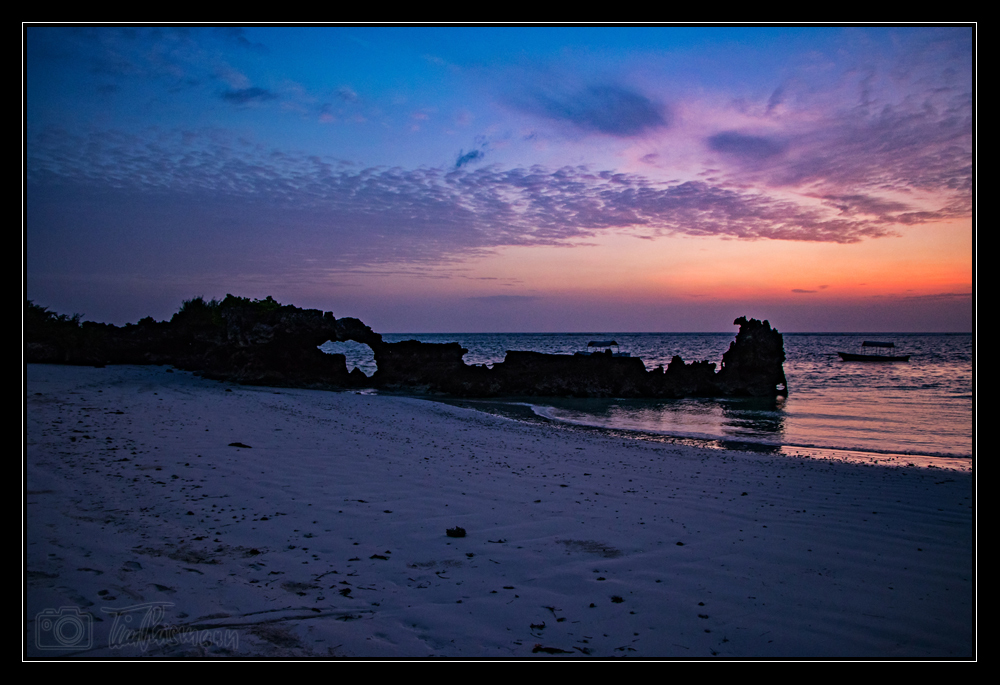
x=921 y=407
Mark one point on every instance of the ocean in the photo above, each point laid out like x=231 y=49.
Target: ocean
x=921 y=409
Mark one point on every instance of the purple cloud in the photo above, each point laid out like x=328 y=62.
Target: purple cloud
x=745 y=146
x=300 y=207
x=864 y=204
x=897 y=148
x=889 y=138
x=851 y=158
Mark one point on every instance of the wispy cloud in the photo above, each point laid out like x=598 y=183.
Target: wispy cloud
x=380 y=215
x=238 y=36
x=466 y=157
x=888 y=140
x=777 y=97
x=244 y=96
x=179 y=56
x=347 y=94
x=504 y=299
x=915 y=147
x=962 y=298
x=609 y=109
x=745 y=146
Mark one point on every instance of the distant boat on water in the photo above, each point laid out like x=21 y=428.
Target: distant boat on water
x=875 y=356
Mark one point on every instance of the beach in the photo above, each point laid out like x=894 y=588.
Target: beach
x=169 y=515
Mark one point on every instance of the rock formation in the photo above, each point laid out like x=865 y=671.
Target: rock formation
x=262 y=342
x=753 y=364
x=257 y=342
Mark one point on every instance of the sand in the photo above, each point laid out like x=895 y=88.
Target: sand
x=148 y=533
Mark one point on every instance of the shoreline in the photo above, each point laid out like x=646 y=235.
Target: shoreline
x=856 y=456
x=578 y=544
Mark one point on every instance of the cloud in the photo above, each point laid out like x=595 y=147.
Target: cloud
x=243 y=96
x=178 y=58
x=609 y=109
x=745 y=146
x=944 y=297
x=886 y=135
x=777 y=97
x=347 y=94
x=504 y=299
x=215 y=185
x=899 y=148
x=886 y=210
x=802 y=291
x=466 y=157
x=238 y=37
x=864 y=204
x=890 y=141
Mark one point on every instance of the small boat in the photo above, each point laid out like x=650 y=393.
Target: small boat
x=609 y=347
x=866 y=356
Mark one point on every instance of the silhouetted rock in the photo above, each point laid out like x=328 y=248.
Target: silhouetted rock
x=262 y=342
x=534 y=373
x=754 y=362
x=414 y=364
x=256 y=342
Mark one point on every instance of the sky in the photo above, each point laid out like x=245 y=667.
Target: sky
x=481 y=179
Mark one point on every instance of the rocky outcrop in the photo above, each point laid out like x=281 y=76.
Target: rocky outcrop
x=753 y=366
x=754 y=362
x=258 y=342
x=533 y=373
x=262 y=342
x=414 y=364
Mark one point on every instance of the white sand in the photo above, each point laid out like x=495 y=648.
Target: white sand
x=817 y=559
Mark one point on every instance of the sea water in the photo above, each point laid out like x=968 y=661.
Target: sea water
x=923 y=407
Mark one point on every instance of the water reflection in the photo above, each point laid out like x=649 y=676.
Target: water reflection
x=751 y=419
x=759 y=417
